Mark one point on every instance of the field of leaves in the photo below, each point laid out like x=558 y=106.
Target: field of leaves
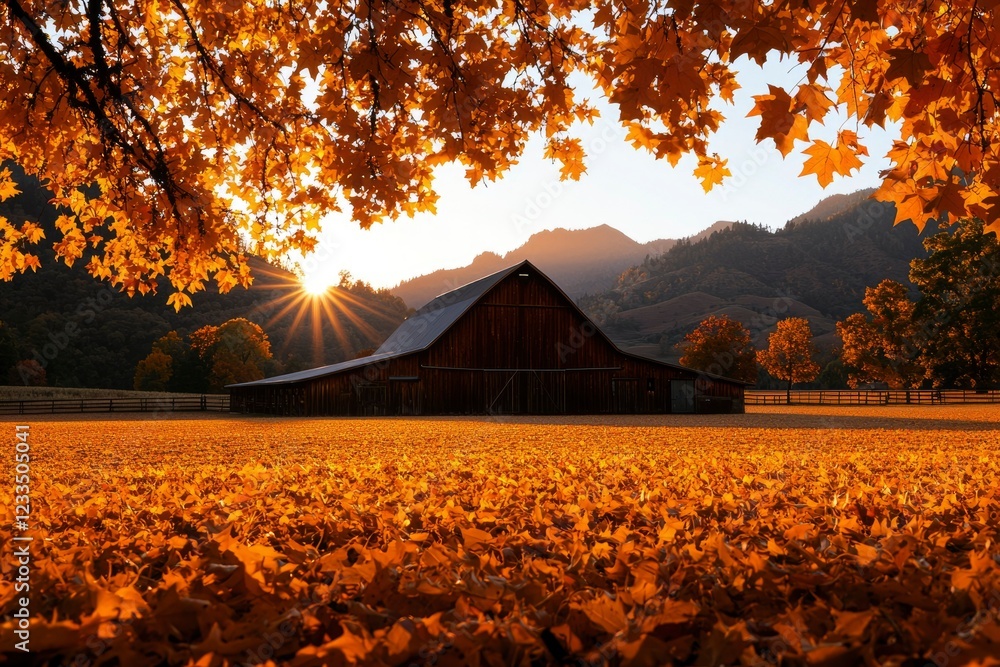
x=793 y=536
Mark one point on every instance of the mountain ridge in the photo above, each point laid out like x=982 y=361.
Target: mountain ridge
x=581 y=261
x=816 y=266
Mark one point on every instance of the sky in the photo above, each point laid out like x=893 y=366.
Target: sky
x=624 y=187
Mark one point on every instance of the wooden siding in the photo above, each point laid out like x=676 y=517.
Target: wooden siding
x=523 y=349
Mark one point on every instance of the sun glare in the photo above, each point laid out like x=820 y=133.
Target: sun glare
x=315 y=285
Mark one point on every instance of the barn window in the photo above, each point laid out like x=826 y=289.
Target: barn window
x=650 y=384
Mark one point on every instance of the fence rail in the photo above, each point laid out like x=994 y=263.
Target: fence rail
x=39 y=406
x=870 y=397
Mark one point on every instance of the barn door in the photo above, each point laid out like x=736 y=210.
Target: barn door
x=625 y=396
x=682 y=396
x=546 y=392
x=526 y=392
x=371 y=399
x=404 y=396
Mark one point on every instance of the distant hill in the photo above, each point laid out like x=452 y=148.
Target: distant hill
x=581 y=261
x=834 y=205
x=111 y=332
x=817 y=266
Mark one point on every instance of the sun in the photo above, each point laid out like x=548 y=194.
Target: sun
x=315 y=285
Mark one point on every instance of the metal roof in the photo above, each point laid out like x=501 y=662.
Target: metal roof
x=299 y=376
x=434 y=318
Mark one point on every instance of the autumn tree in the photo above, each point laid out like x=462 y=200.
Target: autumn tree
x=721 y=346
x=153 y=372
x=236 y=351
x=175 y=136
x=789 y=354
x=213 y=356
x=959 y=308
x=886 y=345
x=162 y=368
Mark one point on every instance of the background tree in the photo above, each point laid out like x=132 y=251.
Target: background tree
x=884 y=347
x=236 y=351
x=721 y=346
x=169 y=134
x=164 y=368
x=790 y=352
x=959 y=306
x=9 y=353
x=833 y=375
x=153 y=373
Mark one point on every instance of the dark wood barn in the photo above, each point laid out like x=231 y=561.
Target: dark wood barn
x=509 y=343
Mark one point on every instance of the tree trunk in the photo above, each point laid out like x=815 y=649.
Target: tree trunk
x=788 y=392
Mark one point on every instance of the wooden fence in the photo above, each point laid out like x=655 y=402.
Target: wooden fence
x=39 y=406
x=870 y=397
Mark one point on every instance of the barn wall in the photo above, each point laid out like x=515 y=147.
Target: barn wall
x=523 y=323
x=521 y=350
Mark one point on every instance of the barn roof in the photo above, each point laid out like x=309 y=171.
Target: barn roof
x=299 y=376
x=420 y=330
x=434 y=318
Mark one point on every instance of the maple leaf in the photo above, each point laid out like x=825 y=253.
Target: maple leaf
x=851 y=625
x=606 y=613
x=865 y=10
x=642 y=137
x=757 y=40
x=711 y=171
x=777 y=121
x=7 y=186
x=914 y=205
x=826 y=160
x=473 y=537
x=33 y=232
x=812 y=98
x=907 y=64
x=866 y=554
x=178 y=300
x=32 y=262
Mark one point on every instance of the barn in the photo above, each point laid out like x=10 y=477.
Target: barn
x=509 y=343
